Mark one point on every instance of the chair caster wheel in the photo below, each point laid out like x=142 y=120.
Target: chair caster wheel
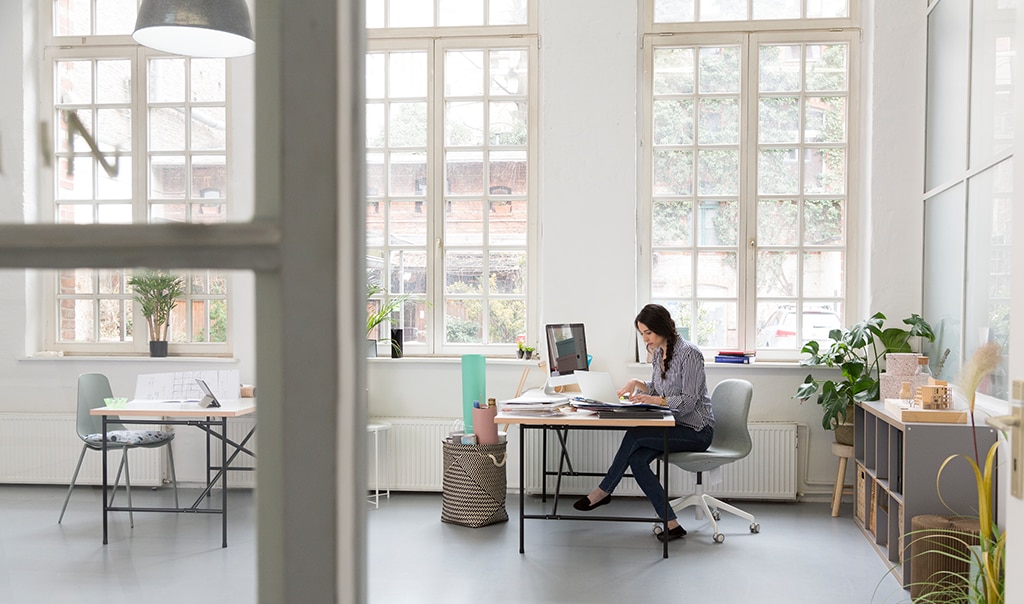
x=719 y=538
x=716 y=515
x=755 y=528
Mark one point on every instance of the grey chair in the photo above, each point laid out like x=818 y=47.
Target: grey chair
x=92 y=389
x=730 y=402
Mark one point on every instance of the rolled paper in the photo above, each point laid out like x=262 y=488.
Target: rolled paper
x=474 y=382
x=484 y=427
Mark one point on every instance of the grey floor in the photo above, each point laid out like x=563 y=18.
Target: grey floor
x=802 y=554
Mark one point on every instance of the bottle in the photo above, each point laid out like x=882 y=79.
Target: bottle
x=923 y=370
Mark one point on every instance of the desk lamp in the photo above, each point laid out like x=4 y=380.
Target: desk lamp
x=196 y=28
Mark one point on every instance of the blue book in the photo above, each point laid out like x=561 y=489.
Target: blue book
x=728 y=358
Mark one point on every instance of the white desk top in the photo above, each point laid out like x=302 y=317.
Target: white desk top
x=581 y=419
x=147 y=408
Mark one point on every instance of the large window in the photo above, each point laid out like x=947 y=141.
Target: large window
x=748 y=170
x=450 y=124
x=137 y=137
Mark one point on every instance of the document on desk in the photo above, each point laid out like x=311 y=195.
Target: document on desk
x=181 y=386
x=581 y=402
x=534 y=402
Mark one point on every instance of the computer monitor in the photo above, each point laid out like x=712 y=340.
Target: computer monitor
x=567 y=352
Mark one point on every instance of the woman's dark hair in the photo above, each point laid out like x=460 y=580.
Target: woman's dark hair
x=658 y=319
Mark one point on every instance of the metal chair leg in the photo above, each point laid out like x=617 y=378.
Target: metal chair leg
x=128 y=488
x=71 y=487
x=174 y=478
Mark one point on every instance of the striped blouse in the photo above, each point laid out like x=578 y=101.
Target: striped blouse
x=684 y=386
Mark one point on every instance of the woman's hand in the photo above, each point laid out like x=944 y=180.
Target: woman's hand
x=631 y=389
x=649 y=399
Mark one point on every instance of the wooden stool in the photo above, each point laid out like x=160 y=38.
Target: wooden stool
x=843 y=452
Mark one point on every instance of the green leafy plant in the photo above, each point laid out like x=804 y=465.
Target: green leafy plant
x=858 y=352
x=156 y=293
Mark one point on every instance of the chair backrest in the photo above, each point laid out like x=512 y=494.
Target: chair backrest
x=730 y=402
x=92 y=389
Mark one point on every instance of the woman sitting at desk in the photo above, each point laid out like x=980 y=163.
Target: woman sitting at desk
x=679 y=384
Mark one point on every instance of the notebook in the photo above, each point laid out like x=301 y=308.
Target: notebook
x=598 y=386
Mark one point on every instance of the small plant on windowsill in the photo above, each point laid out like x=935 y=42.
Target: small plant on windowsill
x=156 y=293
x=376 y=316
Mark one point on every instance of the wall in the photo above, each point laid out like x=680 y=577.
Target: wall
x=588 y=88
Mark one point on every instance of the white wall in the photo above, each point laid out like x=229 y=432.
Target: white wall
x=588 y=88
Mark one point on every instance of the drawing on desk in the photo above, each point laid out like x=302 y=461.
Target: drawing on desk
x=181 y=386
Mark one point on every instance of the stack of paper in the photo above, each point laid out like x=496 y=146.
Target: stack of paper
x=534 y=402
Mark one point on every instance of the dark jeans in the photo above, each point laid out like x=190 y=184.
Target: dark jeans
x=641 y=446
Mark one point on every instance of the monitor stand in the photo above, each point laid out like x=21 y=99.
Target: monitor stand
x=560 y=384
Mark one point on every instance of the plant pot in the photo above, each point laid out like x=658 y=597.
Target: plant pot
x=158 y=349
x=844 y=433
x=519 y=354
x=371 y=348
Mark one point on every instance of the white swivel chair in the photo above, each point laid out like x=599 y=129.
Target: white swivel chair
x=92 y=389
x=730 y=402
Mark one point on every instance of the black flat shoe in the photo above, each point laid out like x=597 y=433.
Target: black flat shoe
x=583 y=504
x=673 y=533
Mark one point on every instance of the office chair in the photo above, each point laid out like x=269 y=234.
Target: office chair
x=730 y=402
x=92 y=389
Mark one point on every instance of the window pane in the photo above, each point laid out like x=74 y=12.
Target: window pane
x=464 y=73
x=508 y=123
x=825 y=120
x=716 y=325
x=719 y=121
x=463 y=222
x=463 y=123
x=463 y=321
x=507 y=222
x=82 y=326
x=375 y=75
x=672 y=274
x=374 y=124
x=113 y=81
x=167 y=177
x=826 y=67
x=719 y=171
x=718 y=223
x=717 y=277
x=508 y=72
x=209 y=177
x=778 y=120
x=111 y=320
x=778 y=172
x=115 y=17
x=460 y=12
x=208 y=79
x=507 y=12
x=74 y=82
x=407 y=126
x=464 y=272
x=673 y=122
x=507 y=272
x=719 y=69
x=167 y=129
x=410 y=13
x=120 y=185
x=464 y=172
x=375 y=13
x=375 y=174
x=209 y=213
x=408 y=223
x=673 y=173
x=75 y=213
x=673 y=11
x=674 y=71
x=779 y=69
x=75 y=179
x=778 y=222
x=824 y=222
x=72 y=18
x=828 y=9
x=114 y=213
x=408 y=74
x=508 y=169
x=408 y=175
x=166 y=80
x=777 y=9
x=825 y=171
x=209 y=129
x=506 y=320
x=113 y=131
x=723 y=10
x=167 y=212
x=673 y=223
x=777 y=273
x=824 y=274
x=408 y=272
x=374 y=223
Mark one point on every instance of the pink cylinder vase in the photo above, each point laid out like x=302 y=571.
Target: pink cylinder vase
x=484 y=427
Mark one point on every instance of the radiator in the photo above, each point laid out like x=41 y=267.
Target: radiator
x=44 y=448
x=413 y=461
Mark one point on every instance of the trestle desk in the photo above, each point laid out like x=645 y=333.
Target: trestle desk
x=561 y=423
x=211 y=420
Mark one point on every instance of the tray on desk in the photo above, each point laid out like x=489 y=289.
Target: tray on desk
x=930 y=416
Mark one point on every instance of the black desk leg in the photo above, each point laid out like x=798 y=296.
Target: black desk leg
x=664 y=479
x=522 y=485
x=103 y=449
x=224 y=481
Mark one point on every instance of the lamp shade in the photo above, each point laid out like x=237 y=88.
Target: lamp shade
x=196 y=28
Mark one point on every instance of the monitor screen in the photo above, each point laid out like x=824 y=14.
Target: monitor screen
x=567 y=348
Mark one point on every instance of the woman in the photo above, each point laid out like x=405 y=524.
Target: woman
x=678 y=383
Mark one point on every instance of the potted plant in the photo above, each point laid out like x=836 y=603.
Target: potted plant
x=375 y=316
x=156 y=293
x=528 y=352
x=858 y=352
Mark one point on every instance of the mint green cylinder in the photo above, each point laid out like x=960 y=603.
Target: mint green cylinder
x=474 y=386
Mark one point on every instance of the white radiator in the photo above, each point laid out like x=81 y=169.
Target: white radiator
x=44 y=448
x=414 y=460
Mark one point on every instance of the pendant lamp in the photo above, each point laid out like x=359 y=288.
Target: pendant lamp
x=196 y=28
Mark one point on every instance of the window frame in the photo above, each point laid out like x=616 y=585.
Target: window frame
x=732 y=33
x=435 y=42
x=123 y=47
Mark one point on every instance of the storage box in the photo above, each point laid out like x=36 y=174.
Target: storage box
x=860 y=507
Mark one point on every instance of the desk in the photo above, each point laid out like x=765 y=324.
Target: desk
x=580 y=421
x=208 y=420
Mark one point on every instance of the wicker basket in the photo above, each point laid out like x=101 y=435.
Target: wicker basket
x=474 y=484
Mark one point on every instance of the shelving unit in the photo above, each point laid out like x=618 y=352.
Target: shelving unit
x=896 y=465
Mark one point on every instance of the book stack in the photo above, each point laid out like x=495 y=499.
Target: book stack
x=735 y=356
